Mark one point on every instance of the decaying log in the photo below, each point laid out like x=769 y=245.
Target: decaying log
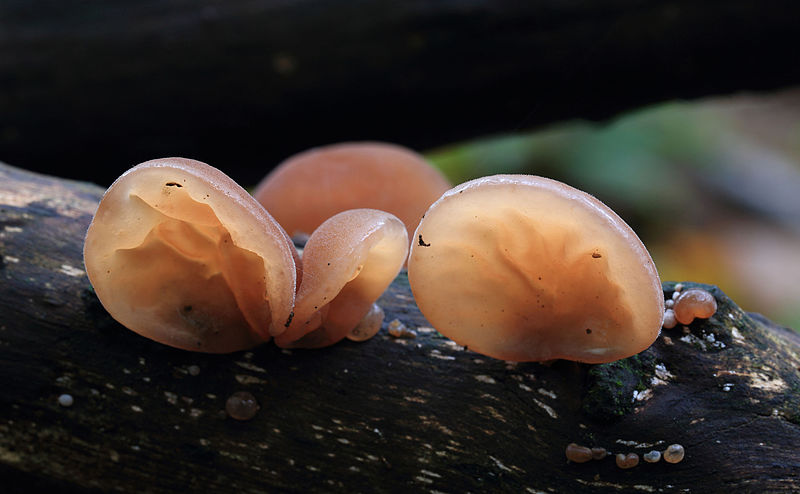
x=419 y=415
x=88 y=89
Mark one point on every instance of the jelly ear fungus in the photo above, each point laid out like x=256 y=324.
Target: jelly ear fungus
x=179 y=253
x=525 y=268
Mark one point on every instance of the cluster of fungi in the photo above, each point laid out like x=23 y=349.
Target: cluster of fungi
x=180 y=253
x=515 y=267
x=576 y=453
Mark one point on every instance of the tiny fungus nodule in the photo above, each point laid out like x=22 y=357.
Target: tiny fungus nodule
x=525 y=268
x=694 y=303
x=674 y=453
x=669 y=319
x=652 y=456
x=369 y=325
x=242 y=405
x=181 y=254
x=626 y=461
x=578 y=453
x=599 y=453
x=310 y=187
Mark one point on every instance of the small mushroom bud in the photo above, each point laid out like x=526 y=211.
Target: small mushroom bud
x=669 y=319
x=369 y=325
x=599 y=453
x=577 y=453
x=674 y=453
x=694 y=303
x=652 y=457
x=65 y=400
x=627 y=461
x=242 y=405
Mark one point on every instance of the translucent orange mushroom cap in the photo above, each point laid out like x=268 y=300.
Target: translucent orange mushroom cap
x=312 y=186
x=525 y=268
x=348 y=262
x=181 y=254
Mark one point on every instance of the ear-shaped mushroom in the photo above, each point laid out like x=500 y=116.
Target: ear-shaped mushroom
x=525 y=268
x=181 y=254
x=312 y=186
x=347 y=264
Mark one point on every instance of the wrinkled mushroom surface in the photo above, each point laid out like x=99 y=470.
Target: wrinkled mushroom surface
x=348 y=262
x=312 y=186
x=181 y=254
x=525 y=268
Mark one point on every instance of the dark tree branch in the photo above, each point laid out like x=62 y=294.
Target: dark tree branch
x=418 y=415
x=89 y=89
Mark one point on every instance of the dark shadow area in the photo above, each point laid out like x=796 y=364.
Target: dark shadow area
x=88 y=90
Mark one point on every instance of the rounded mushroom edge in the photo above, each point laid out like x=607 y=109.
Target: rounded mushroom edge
x=526 y=268
x=348 y=262
x=309 y=187
x=181 y=254
x=516 y=267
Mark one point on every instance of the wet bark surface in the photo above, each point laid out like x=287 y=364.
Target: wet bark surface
x=387 y=415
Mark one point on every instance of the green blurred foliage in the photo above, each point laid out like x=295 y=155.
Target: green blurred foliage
x=633 y=164
x=652 y=167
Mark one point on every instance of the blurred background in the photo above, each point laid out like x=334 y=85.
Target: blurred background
x=683 y=116
x=712 y=186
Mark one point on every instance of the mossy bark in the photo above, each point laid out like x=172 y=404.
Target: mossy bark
x=421 y=415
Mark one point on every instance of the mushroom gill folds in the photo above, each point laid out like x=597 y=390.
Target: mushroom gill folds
x=348 y=262
x=181 y=254
x=525 y=268
x=310 y=187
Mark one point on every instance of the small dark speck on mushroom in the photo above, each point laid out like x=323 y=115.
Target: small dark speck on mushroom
x=173 y=184
x=422 y=242
x=596 y=255
x=187 y=308
x=588 y=331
